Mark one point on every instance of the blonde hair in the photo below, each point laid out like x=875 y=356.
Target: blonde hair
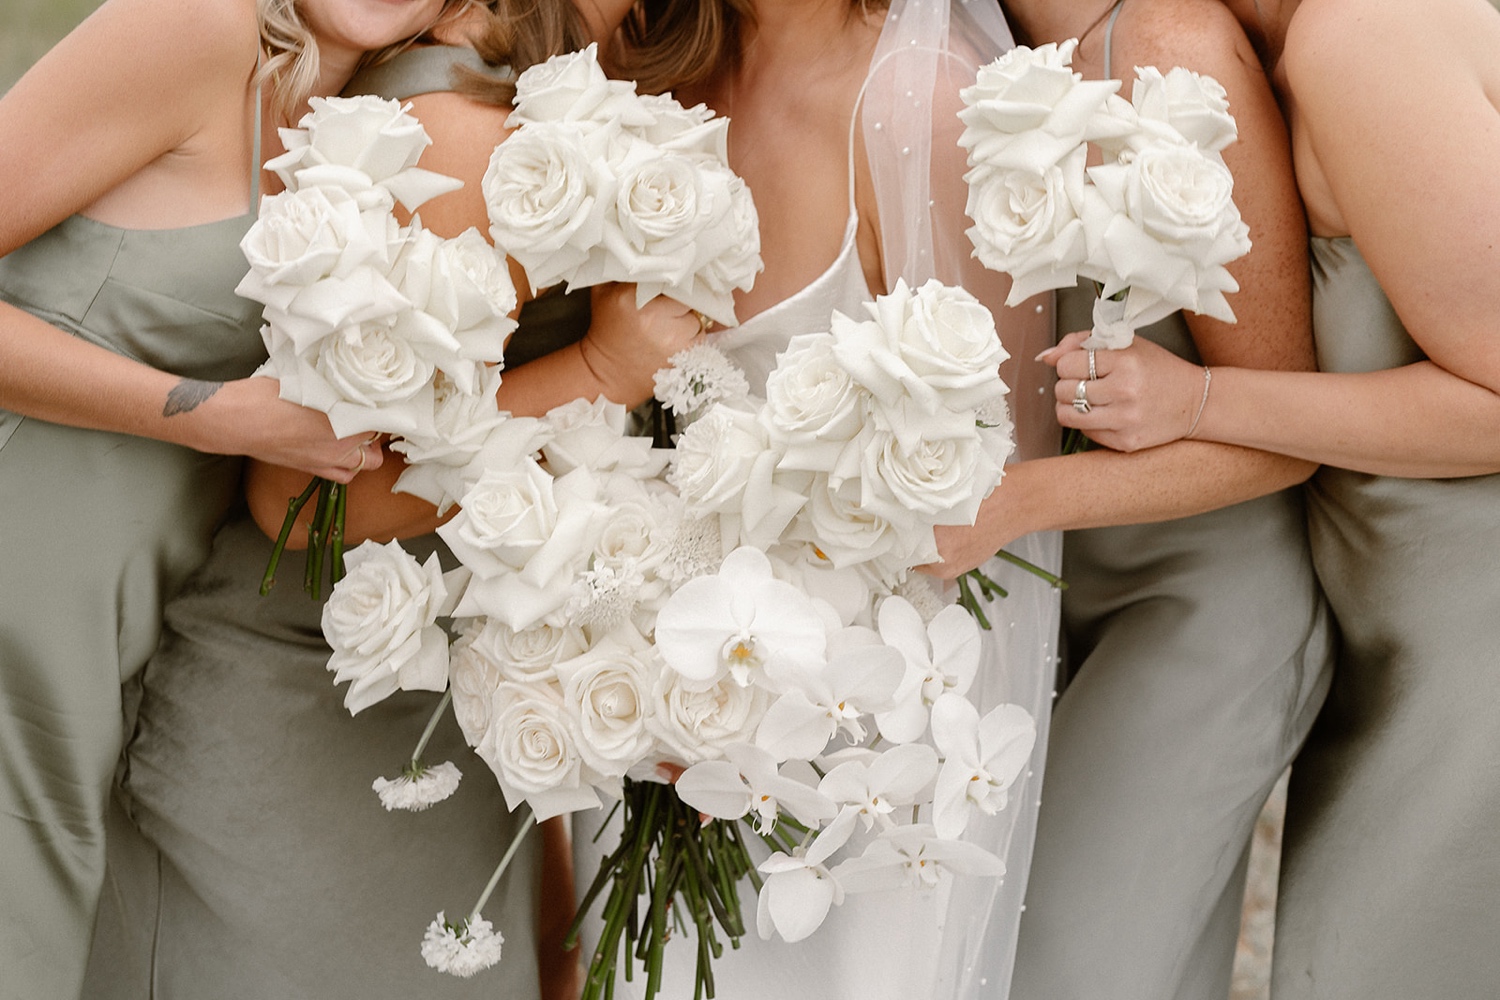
x=519 y=34
x=289 y=66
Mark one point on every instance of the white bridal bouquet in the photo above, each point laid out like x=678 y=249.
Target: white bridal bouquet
x=1154 y=224
x=600 y=183
x=739 y=613
x=388 y=329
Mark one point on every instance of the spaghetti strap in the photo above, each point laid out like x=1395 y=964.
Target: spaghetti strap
x=1109 y=40
x=255 y=150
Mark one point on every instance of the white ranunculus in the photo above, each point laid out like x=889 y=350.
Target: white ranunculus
x=814 y=408
x=573 y=88
x=608 y=693
x=547 y=189
x=534 y=753
x=1196 y=106
x=1027 y=226
x=1028 y=109
x=1163 y=224
x=381 y=620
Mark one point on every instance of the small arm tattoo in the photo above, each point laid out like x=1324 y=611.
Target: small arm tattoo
x=187 y=395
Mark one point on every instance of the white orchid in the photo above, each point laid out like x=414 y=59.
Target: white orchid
x=941 y=656
x=982 y=759
x=737 y=621
x=749 y=781
x=913 y=856
x=799 y=887
x=874 y=789
x=860 y=678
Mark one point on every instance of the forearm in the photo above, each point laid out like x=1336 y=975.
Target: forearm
x=561 y=377
x=51 y=375
x=1417 y=421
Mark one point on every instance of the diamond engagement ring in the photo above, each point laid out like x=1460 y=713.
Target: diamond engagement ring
x=1081 y=397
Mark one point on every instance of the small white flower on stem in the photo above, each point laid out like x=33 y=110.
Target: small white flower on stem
x=418 y=786
x=463 y=949
x=698 y=378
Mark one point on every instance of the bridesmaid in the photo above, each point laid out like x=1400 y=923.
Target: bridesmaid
x=130 y=164
x=1391 y=865
x=247 y=826
x=1183 y=707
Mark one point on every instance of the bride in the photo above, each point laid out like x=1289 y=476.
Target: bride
x=870 y=191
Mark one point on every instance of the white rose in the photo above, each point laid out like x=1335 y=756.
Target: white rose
x=941 y=478
x=547 y=190
x=1026 y=224
x=473 y=676
x=813 y=406
x=843 y=530
x=527 y=592
x=300 y=237
x=356 y=142
x=506 y=518
x=607 y=690
x=1028 y=109
x=737 y=260
x=532 y=750
x=726 y=464
x=660 y=208
x=693 y=130
x=369 y=365
x=695 y=725
x=1196 y=106
x=465 y=285
x=949 y=340
x=462 y=423
x=527 y=656
x=1163 y=224
x=380 y=621
x=592 y=434
x=572 y=87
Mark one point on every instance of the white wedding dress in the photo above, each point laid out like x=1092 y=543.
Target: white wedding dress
x=957 y=940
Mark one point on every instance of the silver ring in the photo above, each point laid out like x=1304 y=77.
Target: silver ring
x=1093 y=372
x=1081 y=397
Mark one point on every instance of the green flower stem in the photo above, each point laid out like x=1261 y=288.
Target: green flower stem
x=1056 y=581
x=336 y=536
x=318 y=536
x=293 y=508
x=970 y=602
x=510 y=852
x=432 y=722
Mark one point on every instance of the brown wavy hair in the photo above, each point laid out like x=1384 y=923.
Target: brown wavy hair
x=520 y=34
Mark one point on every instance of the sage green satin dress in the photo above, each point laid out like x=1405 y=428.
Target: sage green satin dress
x=1390 y=879
x=1199 y=651
x=250 y=859
x=96 y=531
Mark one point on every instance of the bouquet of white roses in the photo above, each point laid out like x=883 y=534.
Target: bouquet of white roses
x=600 y=183
x=1154 y=224
x=738 y=612
x=388 y=329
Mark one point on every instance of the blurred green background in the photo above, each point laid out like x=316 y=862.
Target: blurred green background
x=28 y=28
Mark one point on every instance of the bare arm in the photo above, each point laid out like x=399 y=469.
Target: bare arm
x=124 y=119
x=1399 y=131
x=1274 y=310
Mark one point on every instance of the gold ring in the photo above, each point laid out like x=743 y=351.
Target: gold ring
x=704 y=323
x=361 y=466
